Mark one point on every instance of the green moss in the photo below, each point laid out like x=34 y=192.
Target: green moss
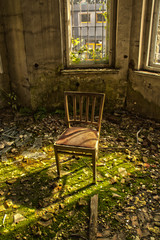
x=35 y=191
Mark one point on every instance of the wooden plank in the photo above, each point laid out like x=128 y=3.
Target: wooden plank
x=93 y=218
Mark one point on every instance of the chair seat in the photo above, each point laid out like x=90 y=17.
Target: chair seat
x=79 y=137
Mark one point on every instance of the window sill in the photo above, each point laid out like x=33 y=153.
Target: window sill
x=89 y=71
x=147 y=73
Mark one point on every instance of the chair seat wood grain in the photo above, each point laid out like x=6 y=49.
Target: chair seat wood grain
x=78 y=136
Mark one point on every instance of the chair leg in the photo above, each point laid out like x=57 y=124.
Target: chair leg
x=57 y=161
x=94 y=167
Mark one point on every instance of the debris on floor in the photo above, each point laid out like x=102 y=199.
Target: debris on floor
x=34 y=203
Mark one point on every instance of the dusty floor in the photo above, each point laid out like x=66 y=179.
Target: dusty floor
x=135 y=193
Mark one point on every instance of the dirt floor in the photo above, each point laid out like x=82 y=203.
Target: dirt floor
x=34 y=204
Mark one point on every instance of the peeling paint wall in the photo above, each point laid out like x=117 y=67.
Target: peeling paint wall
x=4 y=75
x=43 y=49
x=124 y=18
x=14 y=41
x=44 y=57
x=143 y=95
x=34 y=52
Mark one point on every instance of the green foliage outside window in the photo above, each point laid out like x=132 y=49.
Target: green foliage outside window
x=81 y=52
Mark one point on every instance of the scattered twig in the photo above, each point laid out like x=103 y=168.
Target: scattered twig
x=5 y=215
x=105 y=148
x=9 y=130
x=137 y=134
x=93 y=218
x=9 y=136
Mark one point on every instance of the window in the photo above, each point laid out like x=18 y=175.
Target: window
x=153 y=48
x=85 y=17
x=88 y=32
x=100 y=17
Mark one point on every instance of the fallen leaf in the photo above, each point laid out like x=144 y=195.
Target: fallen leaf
x=116 y=195
x=45 y=223
x=147 y=165
x=2 y=208
x=113 y=189
x=18 y=218
x=122 y=171
x=8 y=203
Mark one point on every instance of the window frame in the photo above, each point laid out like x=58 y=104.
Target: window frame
x=85 y=13
x=149 y=50
x=97 y=17
x=66 y=32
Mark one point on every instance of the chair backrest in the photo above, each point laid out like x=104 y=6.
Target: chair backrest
x=81 y=107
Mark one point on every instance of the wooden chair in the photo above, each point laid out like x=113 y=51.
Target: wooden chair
x=80 y=140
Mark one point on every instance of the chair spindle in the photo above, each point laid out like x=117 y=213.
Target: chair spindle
x=93 y=109
x=87 y=108
x=81 y=107
x=74 y=107
x=67 y=111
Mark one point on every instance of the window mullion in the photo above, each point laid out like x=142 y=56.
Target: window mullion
x=72 y=17
x=87 y=31
x=102 y=28
x=95 y=29
x=80 y=24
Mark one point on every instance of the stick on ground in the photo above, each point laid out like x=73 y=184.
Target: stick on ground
x=93 y=218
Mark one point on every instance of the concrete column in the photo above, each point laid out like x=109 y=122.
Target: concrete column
x=16 y=55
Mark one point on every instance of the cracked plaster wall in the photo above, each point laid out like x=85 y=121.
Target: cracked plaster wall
x=15 y=50
x=4 y=75
x=143 y=95
x=33 y=41
x=34 y=51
